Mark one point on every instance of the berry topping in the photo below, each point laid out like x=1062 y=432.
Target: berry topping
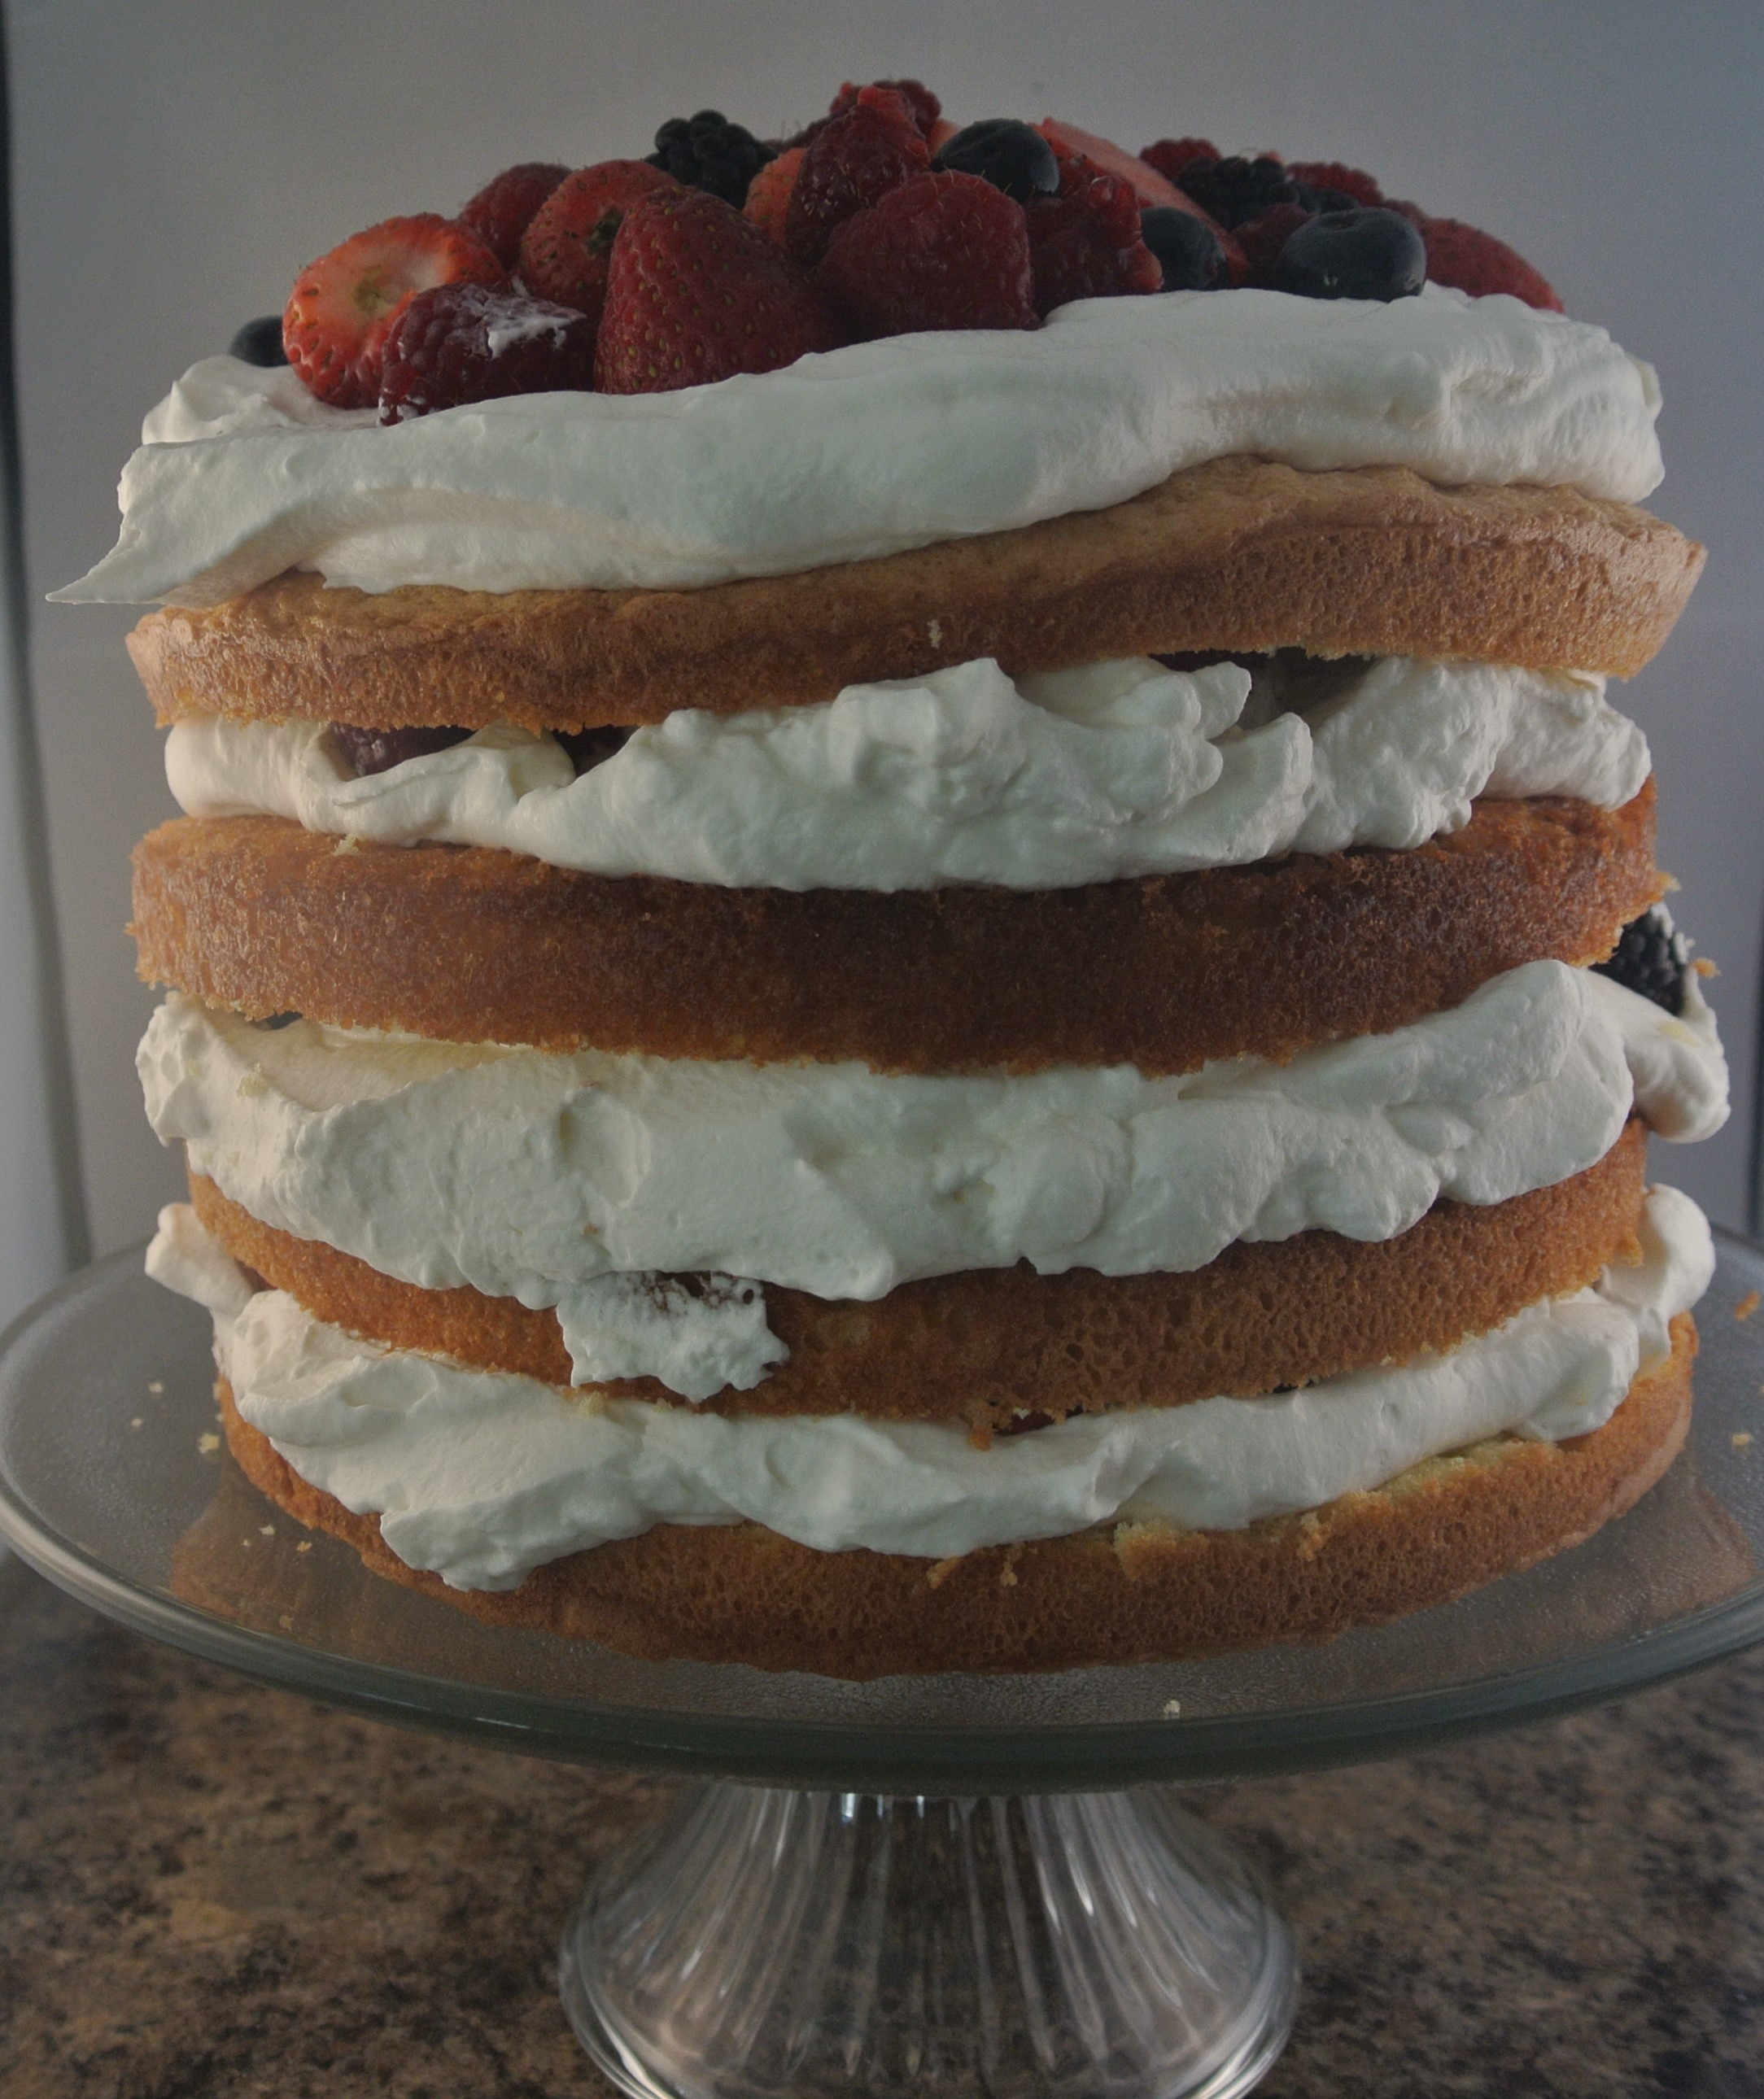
x=1478 y=263
x=502 y=210
x=868 y=147
x=696 y=293
x=769 y=194
x=942 y=251
x=708 y=152
x=565 y=252
x=1262 y=238
x=1239 y=189
x=1012 y=157
x=1334 y=175
x=365 y=750
x=586 y=748
x=1364 y=253
x=922 y=105
x=1085 y=243
x=259 y=342
x=1186 y=247
x=1651 y=958
x=1169 y=157
x=463 y=342
x=343 y=305
x=1070 y=143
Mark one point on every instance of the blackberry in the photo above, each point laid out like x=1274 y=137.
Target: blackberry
x=586 y=748
x=259 y=341
x=366 y=751
x=708 y=152
x=1364 y=253
x=1187 y=248
x=1238 y=188
x=1651 y=958
x=1012 y=157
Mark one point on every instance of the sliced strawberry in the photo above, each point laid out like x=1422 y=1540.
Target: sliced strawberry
x=1068 y=142
x=565 y=252
x=870 y=146
x=697 y=293
x=769 y=194
x=503 y=209
x=343 y=305
x=1476 y=262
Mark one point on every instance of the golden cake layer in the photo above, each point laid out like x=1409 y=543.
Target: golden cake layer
x=470 y=944
x=1237 y=555
x=1120 y=1592
x=982 y=1347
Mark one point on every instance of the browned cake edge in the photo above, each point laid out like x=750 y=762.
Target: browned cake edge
x=1238 y=555
x=463 y=944
x=1123 y=1593
x=981 y=1347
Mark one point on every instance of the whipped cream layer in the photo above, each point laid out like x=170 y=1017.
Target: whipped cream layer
x=480 y=1477
x=537 y=1176
x=863 y=452
x=1114 y=769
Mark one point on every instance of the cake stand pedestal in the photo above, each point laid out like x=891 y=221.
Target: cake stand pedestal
x=949 y=1884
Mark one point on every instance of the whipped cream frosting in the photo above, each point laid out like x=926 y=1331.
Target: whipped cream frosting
x=1114 y=769
x=530 y=1175
x=480 y=1477
x=865 y=451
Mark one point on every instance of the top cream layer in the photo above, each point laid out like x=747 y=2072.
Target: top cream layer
x=865 y=451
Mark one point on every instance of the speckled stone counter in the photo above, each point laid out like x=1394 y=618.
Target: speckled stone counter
x=210 y=1890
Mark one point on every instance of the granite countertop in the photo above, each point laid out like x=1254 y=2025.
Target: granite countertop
x=207 y=1888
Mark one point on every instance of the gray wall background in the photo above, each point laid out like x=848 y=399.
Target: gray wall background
x=175 y=164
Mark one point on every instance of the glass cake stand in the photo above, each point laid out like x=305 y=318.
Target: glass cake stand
x=959 y=1884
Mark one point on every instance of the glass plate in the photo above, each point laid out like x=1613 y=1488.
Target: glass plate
x=112 y=1483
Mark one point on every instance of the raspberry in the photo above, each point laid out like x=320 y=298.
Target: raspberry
x=1169 y=157
x=942 y=251
x=696 y=293
x=502 y=210
x=768 y=195
x=461 y=343
x=343 y=305
x=1476 y=262
x=1652 y=959
x=1085 y=243
x=1335 y=175
x=1262 y=238
x=870 y=146
x=565 y=251
x=922 y=105
x=708 y=152
x=1238 y=189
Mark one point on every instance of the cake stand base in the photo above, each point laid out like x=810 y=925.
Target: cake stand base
x=767 y=1944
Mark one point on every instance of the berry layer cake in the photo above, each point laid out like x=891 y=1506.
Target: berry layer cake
x=910 y=931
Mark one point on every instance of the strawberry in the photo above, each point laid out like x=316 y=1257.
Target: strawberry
x=1169 y=157
x=1085 y=243
x=1070 y=143
x=942 y=251
x=1476 y=262
x=462 y=342
x=502 y=210
x=922 y=105
x=769 y=194
x=696 y=293
x=566 y=250
x=1335 y=175
x=870 y=146
x=341 y=305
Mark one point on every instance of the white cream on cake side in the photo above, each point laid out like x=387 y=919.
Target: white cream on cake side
x=480 y=1477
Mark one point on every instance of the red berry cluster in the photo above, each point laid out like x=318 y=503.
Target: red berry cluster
x=880 y=219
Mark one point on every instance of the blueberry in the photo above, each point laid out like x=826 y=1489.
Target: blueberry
x=1012 y=156
x=1364 y=253
x=260 y=341
x=1651 y=958
x=1186 y=246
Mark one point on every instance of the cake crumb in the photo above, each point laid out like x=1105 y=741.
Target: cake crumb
x=304 y=1546
x=1747 y=1306
x=155 y=1387
x=941 y=1573
x=1705 y=967
x=1173 y=1708
x=348 y=843
x=207 y=1443
x=934 y=629
x=1741 y=1438
x=265 y=1530
x=286 y=1622
x=136 y=1422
